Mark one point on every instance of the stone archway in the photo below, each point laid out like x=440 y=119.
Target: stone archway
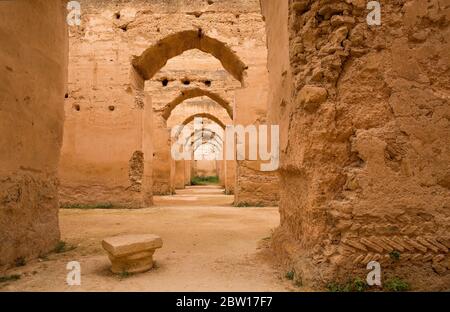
x=156 y=56
x=209 y=131
x=193 y=93
x=207 y=116
x=163 y=175
x=152 y=60
x=181 y=170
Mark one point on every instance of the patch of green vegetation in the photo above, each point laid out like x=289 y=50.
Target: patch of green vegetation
x=86 y=206
x=125 y=274
x=205 y=180
x=62 y=246
x=359 y=285
x=246 y=204
x=19 y=262
x=395 y=255
x=9 y=278
x=396 y=284
x=297 y=280
x=290 y=275
x=355 y=285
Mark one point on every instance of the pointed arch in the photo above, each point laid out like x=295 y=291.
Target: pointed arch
x=207 y=116
x=212 y=135
x=207 y=143
x=192 y=140
x=193 y=93
x=155 y=57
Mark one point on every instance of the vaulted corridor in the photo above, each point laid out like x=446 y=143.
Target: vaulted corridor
x=225 y=145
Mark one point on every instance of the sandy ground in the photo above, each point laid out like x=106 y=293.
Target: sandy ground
x=208 y=246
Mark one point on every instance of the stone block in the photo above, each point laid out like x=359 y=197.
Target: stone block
x=131 y=253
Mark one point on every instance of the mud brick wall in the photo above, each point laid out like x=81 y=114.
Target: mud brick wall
x=33 y=64
x=365 y=152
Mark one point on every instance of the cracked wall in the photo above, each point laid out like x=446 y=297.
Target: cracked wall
x=365 y=160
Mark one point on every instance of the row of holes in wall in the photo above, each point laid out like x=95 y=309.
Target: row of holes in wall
x=78 y=108
x=197 y=14
x=186 y=82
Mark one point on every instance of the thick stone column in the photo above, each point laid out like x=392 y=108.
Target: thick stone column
x=230 y=176
x=220 y=165
x=187 y=172
x=33 y=65
x=161 y=156
x=147 y=149
x=179 y=178
x=253 y=187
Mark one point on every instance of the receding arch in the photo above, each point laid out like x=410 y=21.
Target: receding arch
x=204 y=115
x=193 y=140
x=208 y=143
x=212 y=135
x=203 y=129
x=155 y=57
x=193 y=93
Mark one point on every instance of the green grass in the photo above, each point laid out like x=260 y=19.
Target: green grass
x=290 y=275
x=205 y=180
x=293 y=276
x=394 y=255
x=62 y=246
x=125 y=274
x=86 y=206
x=246 y=204
x=9 y=278
x=396 y=284
x=355 y=285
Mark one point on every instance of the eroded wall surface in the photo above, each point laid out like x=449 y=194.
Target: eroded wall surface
x=33 y=63
x=365 y=153
x=253 y=186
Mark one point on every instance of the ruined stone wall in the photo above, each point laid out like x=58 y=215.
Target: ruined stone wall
x=103 y=112
x=33 y=63
x=365 y=154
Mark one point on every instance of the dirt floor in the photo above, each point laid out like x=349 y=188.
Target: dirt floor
x=208 y=246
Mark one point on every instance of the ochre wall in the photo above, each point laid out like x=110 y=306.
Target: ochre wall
x=254 y=187
x=33 y=63
x=365 y=147
x=107 y=117
x=205 y=168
